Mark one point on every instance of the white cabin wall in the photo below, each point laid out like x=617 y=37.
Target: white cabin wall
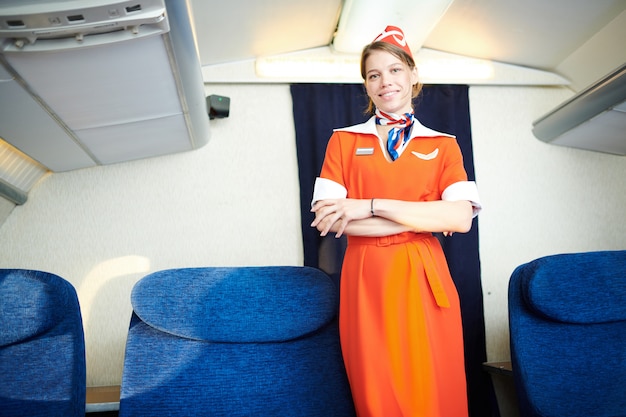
x=539 y=199
x=235 y=202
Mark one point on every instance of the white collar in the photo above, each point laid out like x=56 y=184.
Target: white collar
x=369 y=127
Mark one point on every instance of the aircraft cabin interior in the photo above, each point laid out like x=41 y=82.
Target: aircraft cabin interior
x=158 y=165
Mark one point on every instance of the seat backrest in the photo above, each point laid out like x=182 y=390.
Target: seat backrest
x=567 y=319
x=42 y=346
x=235 y=341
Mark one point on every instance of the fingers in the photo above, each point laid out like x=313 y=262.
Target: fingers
x=323 y=209
x=342 y=227
x=322 y=203
x=328 y=223
x=319 y=214
x=331 y=215
x=327 y=213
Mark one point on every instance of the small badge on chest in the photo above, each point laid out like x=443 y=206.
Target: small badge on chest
x=364 y=151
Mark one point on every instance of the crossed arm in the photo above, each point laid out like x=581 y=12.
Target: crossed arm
x=354 y=217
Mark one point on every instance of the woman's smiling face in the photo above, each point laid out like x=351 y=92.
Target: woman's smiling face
x=389 y=82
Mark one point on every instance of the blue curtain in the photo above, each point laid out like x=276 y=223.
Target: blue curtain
x=317 y=110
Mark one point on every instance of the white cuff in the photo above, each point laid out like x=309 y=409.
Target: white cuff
x=325 y=188
x=463 y=190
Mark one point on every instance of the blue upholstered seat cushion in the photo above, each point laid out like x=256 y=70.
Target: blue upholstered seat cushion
x=567 y=327
x=42 y=346
x=236 y=304
x=596 y=295
x=31 y=299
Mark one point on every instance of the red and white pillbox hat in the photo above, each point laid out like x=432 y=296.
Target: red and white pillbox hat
x=394 y=36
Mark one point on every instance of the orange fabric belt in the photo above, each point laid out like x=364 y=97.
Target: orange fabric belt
x=388 y=240
x=425 y=251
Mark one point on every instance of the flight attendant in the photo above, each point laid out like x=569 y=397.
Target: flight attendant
x=388 y=184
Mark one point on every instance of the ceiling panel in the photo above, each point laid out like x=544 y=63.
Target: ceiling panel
x=242 y=29
x=533 y=33
x=538 y=34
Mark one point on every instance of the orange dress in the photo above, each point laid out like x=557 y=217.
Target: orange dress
x=400 y=320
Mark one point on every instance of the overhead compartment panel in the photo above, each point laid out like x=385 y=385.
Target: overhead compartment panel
x=24 y=121
x=594 y=119
x=120 y=81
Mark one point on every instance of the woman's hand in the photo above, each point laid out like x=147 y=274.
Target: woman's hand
x=335 y=214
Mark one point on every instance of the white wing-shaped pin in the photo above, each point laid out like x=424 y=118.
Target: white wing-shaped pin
x=426 y=156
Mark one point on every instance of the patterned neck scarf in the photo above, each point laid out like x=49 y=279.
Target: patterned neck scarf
x=399 y=134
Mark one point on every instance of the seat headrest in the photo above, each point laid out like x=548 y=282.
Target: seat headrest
x=579 y=288
x=236 y=304
x=31 y=302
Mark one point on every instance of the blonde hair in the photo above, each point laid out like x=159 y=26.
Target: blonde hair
x=395 y=51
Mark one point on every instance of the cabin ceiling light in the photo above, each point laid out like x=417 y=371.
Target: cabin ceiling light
x=324 y=65
x=316 y=64
x=361 y=21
